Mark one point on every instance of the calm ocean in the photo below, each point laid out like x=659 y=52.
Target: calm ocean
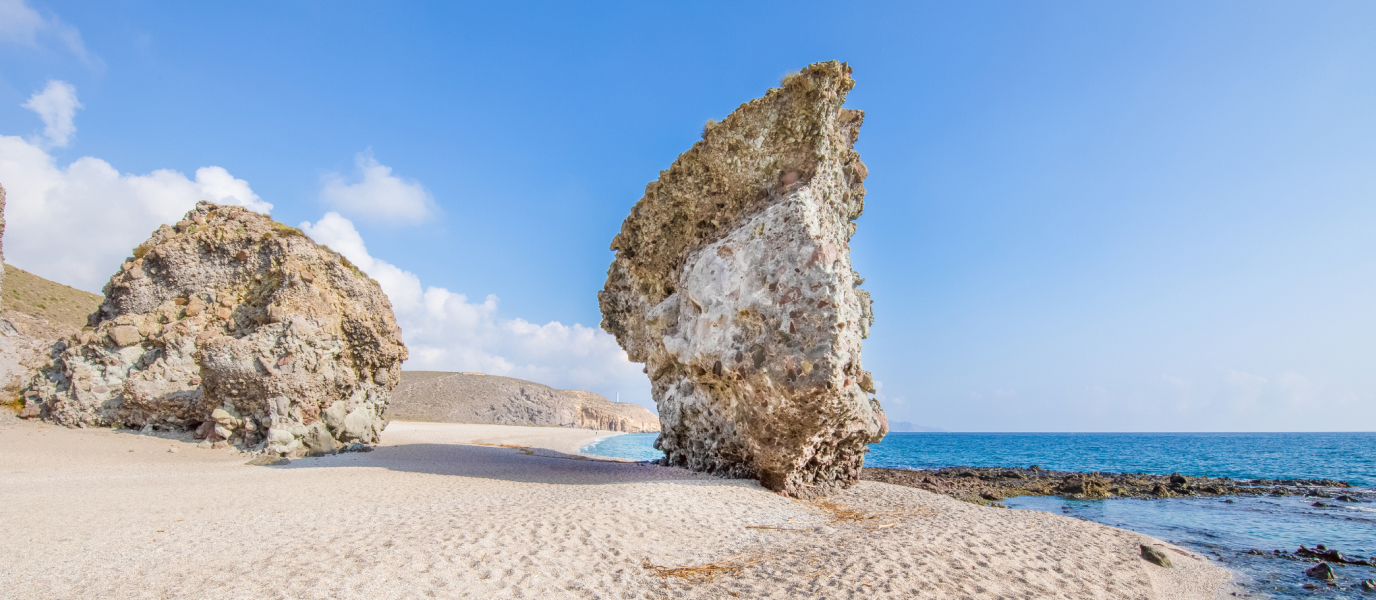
x=1211 y=526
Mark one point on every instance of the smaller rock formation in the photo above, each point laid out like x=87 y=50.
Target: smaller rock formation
x=732 y=282
x=1155 y=556
x=1322 y=571
x=438 y=396
x=239 y=328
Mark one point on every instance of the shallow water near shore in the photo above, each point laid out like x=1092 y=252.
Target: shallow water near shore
x=1214 y=527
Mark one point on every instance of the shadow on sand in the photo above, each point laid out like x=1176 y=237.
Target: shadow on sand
x=524 y=465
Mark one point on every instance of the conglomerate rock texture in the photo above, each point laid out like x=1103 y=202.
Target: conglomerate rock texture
x=238 y=327
x=732 y=282
x=444 y=397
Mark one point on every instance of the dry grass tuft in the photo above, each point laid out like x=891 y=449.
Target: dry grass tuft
x=841 y=513
x=701 y=574
x=285 y=230
x=9 y=395
x=778 y=528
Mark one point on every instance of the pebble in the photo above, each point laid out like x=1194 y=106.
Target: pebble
x=174 y=450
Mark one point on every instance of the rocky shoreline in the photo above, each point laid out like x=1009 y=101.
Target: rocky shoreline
x=989 y=485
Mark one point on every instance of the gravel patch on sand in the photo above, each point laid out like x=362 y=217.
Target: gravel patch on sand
x=100 y=513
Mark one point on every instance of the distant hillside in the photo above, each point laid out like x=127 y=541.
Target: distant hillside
x=37 y=297
x=444 y=397
x=34 y=313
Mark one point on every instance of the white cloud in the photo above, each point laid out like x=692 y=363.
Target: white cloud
x=76 y=224
x=21 y=24
x=445 y=331
x=56 y=105
x=376 y=193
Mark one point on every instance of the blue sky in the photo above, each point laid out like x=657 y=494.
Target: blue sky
x=1081 y=216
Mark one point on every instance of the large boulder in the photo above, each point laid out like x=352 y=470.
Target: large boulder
x=238 y=327
x=732 y=282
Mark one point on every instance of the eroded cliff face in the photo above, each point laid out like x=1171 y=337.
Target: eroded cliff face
x=595 y=411
x=732 y=282
x=238 y=327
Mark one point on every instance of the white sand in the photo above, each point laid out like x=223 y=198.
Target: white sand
x=99 y=513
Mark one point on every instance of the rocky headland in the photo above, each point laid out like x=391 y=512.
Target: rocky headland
x=988 y=485
x=236 y=327
x=443 y=397
x=732 y=282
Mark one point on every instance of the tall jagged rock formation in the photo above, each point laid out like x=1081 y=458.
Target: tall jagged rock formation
x=239 y=327
x=732 y=282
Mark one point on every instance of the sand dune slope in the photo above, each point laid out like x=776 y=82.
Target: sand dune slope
x=98 y=513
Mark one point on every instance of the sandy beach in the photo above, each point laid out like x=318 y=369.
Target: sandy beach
x=433 y=514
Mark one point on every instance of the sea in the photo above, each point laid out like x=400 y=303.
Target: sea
x=1241 y=535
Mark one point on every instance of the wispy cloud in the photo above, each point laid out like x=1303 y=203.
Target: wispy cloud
x=22 y=25
x=56 y=105
x=373 y=192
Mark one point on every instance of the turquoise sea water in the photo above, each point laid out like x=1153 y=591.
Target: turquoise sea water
x=1223 y=530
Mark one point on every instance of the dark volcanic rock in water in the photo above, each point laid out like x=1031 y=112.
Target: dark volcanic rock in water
x=1322 y=571
x=732 y=282
x=1082 y=486
x=1330 y=555
x=975 y=484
